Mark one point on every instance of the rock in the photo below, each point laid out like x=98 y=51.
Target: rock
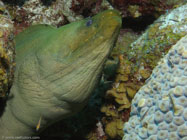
x=7 y=51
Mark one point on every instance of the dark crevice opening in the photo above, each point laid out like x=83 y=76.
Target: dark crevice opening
x=21 y=2
x=2 y=105
x=138 y=24
x=47 y=2
x=15 y=2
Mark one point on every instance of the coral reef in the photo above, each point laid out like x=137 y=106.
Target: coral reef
x=159 y=108
x=7 y=52
x=34 y=12
x=136 y=60
x=139 y=59
x=59 y=12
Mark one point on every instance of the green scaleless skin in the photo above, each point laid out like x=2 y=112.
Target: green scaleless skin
x=56 y=71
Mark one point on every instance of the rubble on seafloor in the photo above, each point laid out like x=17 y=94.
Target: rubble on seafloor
x=7 y=51
x=158 y=110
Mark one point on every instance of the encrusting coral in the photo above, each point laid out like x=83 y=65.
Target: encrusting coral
x=7 y=51
x=159 y=110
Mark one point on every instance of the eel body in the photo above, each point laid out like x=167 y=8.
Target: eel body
x=56 y=71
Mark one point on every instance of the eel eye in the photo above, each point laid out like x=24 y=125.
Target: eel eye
x=89 y=22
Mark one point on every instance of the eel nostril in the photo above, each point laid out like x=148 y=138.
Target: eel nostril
x=89 y=22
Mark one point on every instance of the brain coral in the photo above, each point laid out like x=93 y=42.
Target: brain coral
x=159 y=109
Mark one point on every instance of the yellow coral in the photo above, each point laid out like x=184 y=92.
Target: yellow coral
x=119 y=126
x=122 y=77
x=111 y=129
x=144 y=73
x=131 y=92
x=122 y=99
x=127 y=69
x=109 y=110
x=120 y=71
x=1 y=33
x=114 y=128
x=121 y=88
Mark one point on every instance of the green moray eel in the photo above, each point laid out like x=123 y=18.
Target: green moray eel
x=56 y=71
